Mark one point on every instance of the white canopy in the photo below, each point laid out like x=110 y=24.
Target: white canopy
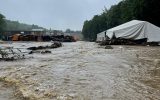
x=136 y=30
x=101 y=36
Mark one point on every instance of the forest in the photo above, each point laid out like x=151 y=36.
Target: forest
x=124 y=11
x=8 y=25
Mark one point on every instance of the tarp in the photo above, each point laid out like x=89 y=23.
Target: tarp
x=101 y=36
x=135 y=30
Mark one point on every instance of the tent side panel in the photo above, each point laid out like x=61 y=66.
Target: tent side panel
x=101 y=36
x=153 y=33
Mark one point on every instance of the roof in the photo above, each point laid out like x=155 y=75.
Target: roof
x=38 y=30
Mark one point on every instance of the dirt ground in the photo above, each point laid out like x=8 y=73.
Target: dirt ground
x=83 y=71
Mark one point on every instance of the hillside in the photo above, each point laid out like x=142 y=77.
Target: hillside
x=15 y=25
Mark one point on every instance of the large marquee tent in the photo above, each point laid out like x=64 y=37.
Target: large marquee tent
x=133 y=30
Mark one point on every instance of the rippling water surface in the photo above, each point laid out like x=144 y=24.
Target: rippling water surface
x=83 y=71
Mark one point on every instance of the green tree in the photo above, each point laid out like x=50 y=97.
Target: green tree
x=15 y=25
x=124 y=11
x=2 y=22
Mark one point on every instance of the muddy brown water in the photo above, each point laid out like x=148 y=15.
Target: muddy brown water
x=83 y=71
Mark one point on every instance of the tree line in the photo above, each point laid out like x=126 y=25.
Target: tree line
x=124 y=11
x=15 y=25
x=8 y=25
x=2 y=22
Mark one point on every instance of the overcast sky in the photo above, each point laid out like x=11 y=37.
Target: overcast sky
x=55 y=14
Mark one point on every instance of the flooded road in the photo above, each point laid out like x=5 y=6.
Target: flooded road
x=83 y=71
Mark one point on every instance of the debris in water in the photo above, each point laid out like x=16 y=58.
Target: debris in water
x=108 y=47
x=54 y=45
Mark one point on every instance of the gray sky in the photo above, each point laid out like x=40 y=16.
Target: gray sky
x=55 y=14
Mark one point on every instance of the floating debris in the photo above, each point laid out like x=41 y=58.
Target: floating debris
x=54 y=45
x=108 y=47
x=42 y=52
x=10 y=54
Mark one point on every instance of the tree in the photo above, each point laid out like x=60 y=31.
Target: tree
x=15 y=25
x=68 y=31
x=2 y=22
x=124 y=11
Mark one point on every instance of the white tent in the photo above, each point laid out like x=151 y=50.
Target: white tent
x=101 y=36
x=135 y=30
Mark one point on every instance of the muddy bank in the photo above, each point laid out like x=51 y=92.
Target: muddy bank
x=85 y=71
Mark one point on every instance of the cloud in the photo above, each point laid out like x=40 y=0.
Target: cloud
x=56 y=14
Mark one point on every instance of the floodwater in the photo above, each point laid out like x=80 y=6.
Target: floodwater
x=83 y=71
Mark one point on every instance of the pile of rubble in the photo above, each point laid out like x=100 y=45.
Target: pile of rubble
x=142 y=42
x=61 y=38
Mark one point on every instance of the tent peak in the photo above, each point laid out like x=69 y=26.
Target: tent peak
x=126 y=25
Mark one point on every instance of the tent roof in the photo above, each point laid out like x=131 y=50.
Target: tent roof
x=126 y=25
x=135 y=30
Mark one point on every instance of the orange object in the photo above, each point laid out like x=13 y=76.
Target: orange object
x=16 y=37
